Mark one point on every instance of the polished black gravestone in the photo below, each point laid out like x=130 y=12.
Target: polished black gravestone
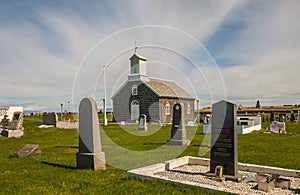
x=272 y=118
x=178 y=131
x=224 y=150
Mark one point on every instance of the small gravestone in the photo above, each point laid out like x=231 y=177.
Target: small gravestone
x=272 y=118
x=282 y=117
x=277 y=127
x=178 y=131
x=17 y=121
x=90 y=154
x=143 y=122
x=5 y=121
x=29 y=150
x=224 y=150
x=50 y=118
x=15 y=129
x=292 y=116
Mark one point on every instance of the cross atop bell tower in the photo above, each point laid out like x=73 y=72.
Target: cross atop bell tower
x=138 y=66
x=135 y=47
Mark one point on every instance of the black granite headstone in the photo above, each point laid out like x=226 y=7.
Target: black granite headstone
x=282 y=117
x=5 y=121
x=272 y=116
x=176 y=123
x=292 y=116
x=178 y=132
x=224 y=150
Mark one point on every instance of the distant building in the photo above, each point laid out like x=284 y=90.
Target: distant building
x=155 y=98
x=245 y=124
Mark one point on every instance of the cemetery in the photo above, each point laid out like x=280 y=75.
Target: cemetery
x=60 y=160
x=153 y=138
x=223 y=164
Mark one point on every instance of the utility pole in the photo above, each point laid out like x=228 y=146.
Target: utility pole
x=61 y=111
x=104 y=101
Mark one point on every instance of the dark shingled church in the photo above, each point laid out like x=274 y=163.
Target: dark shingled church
x=155 y=98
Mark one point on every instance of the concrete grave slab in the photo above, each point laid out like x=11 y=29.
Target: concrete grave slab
x=29 y=150
x=164 y=170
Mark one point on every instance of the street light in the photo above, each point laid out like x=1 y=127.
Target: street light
x=61 y=111
x=198 y=109
x=104 y=100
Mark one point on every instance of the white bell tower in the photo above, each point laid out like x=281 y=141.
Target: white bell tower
x=138 y=68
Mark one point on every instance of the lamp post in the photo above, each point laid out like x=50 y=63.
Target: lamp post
x=198 y=109
x=104 y=100
x=61 y=111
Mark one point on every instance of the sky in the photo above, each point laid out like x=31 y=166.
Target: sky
x=54 y=52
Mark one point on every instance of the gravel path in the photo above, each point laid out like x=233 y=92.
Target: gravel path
x=194 y=175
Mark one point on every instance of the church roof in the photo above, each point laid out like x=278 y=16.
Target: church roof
x=138 y=56
x=165 y=88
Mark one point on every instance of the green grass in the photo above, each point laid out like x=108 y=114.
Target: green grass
x=54 y=171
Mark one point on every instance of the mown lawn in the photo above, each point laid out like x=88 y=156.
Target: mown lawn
x=54 y=172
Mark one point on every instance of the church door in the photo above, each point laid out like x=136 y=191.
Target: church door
x=135 y=110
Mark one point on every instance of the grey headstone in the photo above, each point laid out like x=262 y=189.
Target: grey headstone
x=90 y=154
x=50 y=118
x=224 y=150
x=143 y=122
x=29 y=149
x=178 y=131
x=17 y=121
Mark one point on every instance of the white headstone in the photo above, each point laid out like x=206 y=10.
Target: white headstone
x=90 y=154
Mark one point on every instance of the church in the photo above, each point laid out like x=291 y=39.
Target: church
x=153 y=97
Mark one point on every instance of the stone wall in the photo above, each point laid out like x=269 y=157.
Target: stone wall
x=67 y=125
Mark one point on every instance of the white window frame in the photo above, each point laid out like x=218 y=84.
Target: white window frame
x=134 y=90
x=188 y=108
x=167 y=108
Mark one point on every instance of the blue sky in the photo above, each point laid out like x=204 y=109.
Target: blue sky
x=52 y=52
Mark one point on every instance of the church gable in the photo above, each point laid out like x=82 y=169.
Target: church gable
x=135 y=95
x=121 y=101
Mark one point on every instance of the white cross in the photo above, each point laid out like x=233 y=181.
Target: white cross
x=135 y=47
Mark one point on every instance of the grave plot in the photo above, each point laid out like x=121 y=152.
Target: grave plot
x=194 y=171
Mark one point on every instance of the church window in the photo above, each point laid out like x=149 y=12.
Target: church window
x=188 y=108
x=167 y=108
x=134 y=90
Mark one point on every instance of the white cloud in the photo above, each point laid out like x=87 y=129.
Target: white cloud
x=40 y=57
x=267 y=55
